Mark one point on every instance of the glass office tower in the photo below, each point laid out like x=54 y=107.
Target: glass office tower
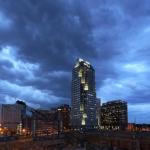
x=83 y=111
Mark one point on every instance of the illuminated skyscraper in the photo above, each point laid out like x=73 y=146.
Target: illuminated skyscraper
x=83 y=111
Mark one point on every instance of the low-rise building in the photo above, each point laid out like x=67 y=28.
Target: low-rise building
x=114 y=115
x=64 y=117
x=10 y=115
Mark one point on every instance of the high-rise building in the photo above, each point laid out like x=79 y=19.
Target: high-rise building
x=83 y=104
x=114 y=115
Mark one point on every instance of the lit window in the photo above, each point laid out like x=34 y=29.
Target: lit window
x=86 y=88
x=84 y=115
x=82 y=80
x=80 y=73
x=81 y=107
x=83 y=121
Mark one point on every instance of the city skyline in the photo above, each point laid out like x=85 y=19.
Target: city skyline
x=40 y=41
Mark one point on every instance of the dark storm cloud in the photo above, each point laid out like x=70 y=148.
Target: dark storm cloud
x=47 y=36
x=51 y=34
x=50 y=30
x=136 y=8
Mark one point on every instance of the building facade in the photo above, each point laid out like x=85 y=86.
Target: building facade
x=10 y=115
x=83 y=104
x=114 y=115
x=98 y=111
x=63 y=113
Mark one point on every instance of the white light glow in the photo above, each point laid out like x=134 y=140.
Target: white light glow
x=84 y=115
x=83 y=121
x=86 y=88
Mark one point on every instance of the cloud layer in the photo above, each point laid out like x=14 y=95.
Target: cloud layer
x=40 y=40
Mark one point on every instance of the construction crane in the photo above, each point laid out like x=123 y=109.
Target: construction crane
x=38 y=115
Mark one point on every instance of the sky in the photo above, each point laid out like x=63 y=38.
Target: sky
x=41 y=40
